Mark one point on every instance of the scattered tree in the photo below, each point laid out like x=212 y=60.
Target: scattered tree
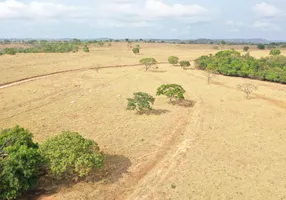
x=275 y=52
x=173 y=60
x=20 y=162
x=261 y=46
x=100 y=43
x=135 y=50
x=148 y=62
x=210 y=75
x=140 y=102
x=85 y=48
x=246 y=48
x=184 y=64
x=172 y=91
x=247 y=88
x=69 y=155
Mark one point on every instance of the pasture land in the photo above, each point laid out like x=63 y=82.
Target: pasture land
x=222 y=147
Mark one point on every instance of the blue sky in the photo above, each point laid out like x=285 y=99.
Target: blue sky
x=178 y=19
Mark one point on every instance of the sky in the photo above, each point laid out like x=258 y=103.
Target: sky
x=160 y=19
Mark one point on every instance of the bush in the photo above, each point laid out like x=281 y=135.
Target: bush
x=135 y=50
x=140 y=102
x=85 y=49
x=275 y=52
x=69 y=155
x=10 y=51
x=173 y=60
x=185 y=64
x=20 y=162
x=100 y=43
x=173 y=91
x=246 y=48
x=148 y=62
x=261 y=46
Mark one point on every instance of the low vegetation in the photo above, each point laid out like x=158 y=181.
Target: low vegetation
x=261 y=46
x=275 y=52
x=184 y=64
x=231 y=63
x=136 y=50
x=23 y=162
x=172 y=91
x=247 y=88
x=246 y=48
x=85 y=49
x=140 y=102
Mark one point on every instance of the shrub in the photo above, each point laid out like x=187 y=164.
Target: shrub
x=246 y=48
x=10 y=51
x=185 y=64
x=20 y=162
x=261 y=46
x=172 y=91
x=173 y=60
x=275 y=52
x=247 y=88
x=69 y=155
x=135 y=50
x=100 y=43
x=148 y=62
x=85 y=48
x=140 y=102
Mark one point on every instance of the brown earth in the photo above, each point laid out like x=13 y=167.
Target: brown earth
x=222 y=147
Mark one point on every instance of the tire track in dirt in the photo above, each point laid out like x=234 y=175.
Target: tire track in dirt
x=32 y=78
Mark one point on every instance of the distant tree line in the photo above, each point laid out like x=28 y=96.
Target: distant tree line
x=232 y=63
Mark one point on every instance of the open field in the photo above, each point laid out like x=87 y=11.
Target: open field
x=223 y=147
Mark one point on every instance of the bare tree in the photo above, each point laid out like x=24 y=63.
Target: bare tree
x=210 y=75
x=247 y=88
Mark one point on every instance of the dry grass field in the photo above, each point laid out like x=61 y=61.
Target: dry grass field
x=223 y=147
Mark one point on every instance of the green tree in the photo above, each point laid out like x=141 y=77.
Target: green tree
x=100 y=43
x=140 y=102
x=148 y=62
x=185 y=63
x=223 y=42
x=172 y=91
x=85 y=48
x=246 y=48
x=173 y=60
x=275 y=52
x=135 y=50
x=20 y=162
x=261 y=46
x=69 y=155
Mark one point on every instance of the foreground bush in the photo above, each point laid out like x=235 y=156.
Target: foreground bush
x=172 y=91
x=20 y=162
x=140 y=102
x=231 y=63
x=69 y=155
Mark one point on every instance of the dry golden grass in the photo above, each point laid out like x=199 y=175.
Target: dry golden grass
x=224 y=147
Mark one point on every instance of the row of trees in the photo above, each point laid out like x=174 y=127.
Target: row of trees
x=232 y=63
x=23 y=162
x=141 y=102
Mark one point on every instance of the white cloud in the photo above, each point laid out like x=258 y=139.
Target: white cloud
x=266 y=10
x=266 y=26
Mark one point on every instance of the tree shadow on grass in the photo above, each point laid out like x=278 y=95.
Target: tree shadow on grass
x=153 y=112
x=183 y=103
x=114 y=168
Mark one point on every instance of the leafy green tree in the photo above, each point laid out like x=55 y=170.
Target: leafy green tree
x=172 y=91
x=140 y=102
x=173 y=60
x=69 y=155
x=135 y=50
x=20 y=162
x=261 y=46
x=275 y=52
x=246 y=48
x=148 y=62
x=85 y=48
x=184 y=63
